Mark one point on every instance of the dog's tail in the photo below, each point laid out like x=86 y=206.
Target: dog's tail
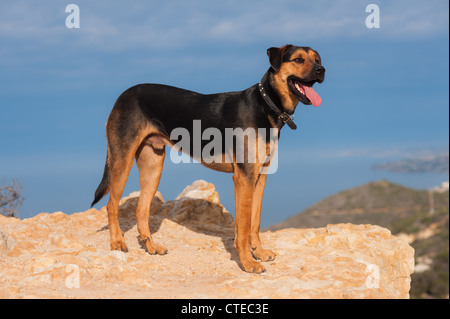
x=103 y=188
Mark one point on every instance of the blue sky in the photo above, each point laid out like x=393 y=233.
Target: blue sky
x=385 y=95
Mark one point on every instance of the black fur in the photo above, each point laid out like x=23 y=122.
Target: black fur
x=168 y=107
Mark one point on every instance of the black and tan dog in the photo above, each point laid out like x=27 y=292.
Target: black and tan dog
x=143 y=116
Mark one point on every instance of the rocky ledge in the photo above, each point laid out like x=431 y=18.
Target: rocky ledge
x=68 y=256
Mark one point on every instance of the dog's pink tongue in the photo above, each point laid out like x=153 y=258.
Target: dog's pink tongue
x=312 y=95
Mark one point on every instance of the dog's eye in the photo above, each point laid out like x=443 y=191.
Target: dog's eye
x=298 y=60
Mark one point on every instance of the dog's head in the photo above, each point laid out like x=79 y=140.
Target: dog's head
x=295 y=70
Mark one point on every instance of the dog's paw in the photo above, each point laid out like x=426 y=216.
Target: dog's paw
x=253 y=267
x=119 y=245
x=264 y=254
x=156 y=249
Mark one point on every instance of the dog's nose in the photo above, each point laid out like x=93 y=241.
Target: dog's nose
x=319 y=69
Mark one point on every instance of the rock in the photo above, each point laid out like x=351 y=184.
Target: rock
x=198 y=207
x=7 y=243
x=120 y=255
x=68 y=256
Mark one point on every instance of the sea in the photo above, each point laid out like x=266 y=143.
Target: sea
x=299 y=182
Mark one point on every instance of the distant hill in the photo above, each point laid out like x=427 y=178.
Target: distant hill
x=406 y=212
x=381 y=203
x=432 y=164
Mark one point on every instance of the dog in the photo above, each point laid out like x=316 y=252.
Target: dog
x=144 y=115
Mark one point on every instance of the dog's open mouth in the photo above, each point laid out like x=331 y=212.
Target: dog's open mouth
x=304 y=91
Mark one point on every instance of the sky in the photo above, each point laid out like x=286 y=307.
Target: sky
x=385 y=94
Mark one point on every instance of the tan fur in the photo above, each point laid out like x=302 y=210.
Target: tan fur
x=288 y=99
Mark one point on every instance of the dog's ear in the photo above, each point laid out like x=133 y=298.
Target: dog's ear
x=276 y=56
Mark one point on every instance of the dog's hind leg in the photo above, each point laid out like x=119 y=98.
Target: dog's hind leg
x=122 y=147
x=120 y=168
x=150 y=160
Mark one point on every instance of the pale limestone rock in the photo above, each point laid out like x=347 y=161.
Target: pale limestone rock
x=7 y=243
x=41 y=256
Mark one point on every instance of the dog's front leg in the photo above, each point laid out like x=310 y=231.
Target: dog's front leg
x=244 y=188
x=255 y=243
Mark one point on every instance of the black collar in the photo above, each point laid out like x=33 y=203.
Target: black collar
x=283 y=116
